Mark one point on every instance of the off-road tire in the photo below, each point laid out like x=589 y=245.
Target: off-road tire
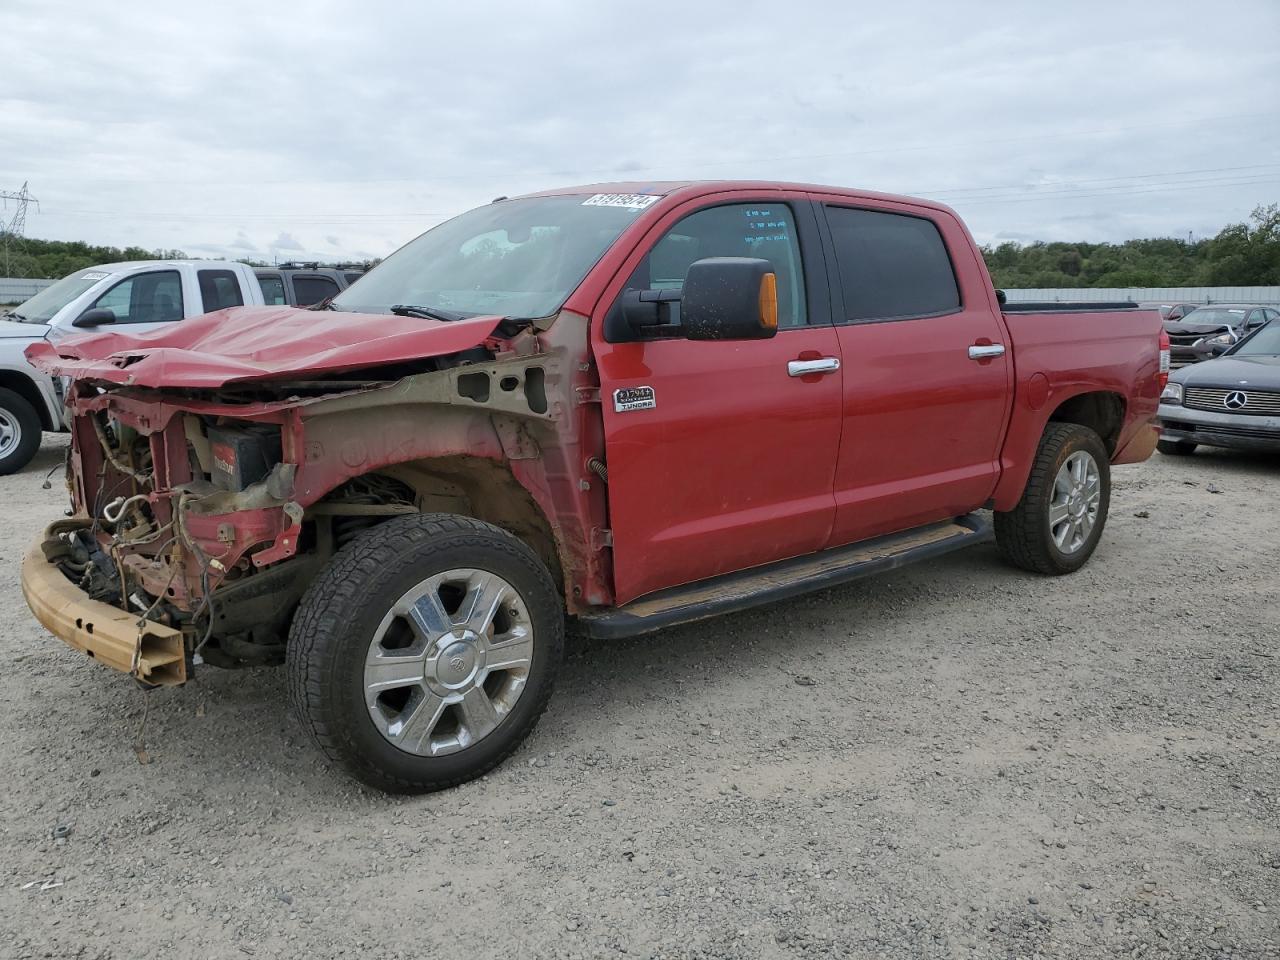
x=1022 y=534
x=27 y=422
x=1177 y=448
x=335 y=623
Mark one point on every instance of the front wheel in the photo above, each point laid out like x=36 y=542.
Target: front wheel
x=1058 y=522
x=19 y=432
x=425 y=652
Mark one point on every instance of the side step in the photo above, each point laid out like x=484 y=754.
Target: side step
x=786 y=578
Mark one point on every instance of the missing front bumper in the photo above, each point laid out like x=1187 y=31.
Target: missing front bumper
x=153 y=653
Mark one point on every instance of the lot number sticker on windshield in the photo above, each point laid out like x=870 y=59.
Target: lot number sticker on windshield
x=95 y=276
x=631 y=201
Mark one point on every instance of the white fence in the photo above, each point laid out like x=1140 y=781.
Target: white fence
x=15 y=290
x=1150 y=294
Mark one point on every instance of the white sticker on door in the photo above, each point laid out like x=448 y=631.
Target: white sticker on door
x=627 y=399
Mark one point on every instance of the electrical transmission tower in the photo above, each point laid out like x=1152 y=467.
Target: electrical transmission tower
x=11 y=230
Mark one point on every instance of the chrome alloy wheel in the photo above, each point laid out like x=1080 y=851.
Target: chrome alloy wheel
x=1077 y=496
x=10 y=432
x=448 y=662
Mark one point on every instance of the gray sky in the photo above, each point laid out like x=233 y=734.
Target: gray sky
x=343 y=130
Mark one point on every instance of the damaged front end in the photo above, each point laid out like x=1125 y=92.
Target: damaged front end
x=175 y=505
x=200 y=516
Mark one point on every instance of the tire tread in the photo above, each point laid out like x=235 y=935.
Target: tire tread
x=1020 y=536
x=338 y=588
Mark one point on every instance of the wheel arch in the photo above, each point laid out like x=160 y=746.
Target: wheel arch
x=1102 y=411
x=24 y=386
x=483 y=489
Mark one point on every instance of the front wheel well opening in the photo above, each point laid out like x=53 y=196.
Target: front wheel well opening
x=1101 y=411
x=26 y=388
x=468 y=486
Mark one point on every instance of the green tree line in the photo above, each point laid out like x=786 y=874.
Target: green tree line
x=53 y=259
x=30 y=258
x=1242 y=254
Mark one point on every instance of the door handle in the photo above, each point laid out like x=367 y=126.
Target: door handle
x=799 y=368
x=986 y=351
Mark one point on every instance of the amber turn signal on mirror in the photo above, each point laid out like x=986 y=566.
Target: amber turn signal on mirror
x=769 y=301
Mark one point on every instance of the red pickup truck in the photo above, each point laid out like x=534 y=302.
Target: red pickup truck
x=632 y=404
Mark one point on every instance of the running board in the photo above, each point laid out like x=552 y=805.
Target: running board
x=786 y=578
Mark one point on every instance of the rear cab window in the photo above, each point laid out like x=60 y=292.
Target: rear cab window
x=892 y=266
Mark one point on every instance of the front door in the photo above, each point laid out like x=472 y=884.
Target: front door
x=144 y=301
x=927 y=371
x=721 y=454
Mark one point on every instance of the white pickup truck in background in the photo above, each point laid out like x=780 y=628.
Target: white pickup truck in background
x=145 y=294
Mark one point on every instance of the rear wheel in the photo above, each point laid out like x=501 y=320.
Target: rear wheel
x=1058 y=522
x=19 y=432
x=1176 y=448
x=425 y=652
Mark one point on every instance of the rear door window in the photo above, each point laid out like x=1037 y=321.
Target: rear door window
x=272 y=290
x=219 y=289
x=309 y=290
x=892 y=266
x=144 y=298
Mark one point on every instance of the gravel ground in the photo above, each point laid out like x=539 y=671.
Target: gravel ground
x=953 y=760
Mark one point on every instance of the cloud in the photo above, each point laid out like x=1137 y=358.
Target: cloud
x=286 y=241
x=1087 y=121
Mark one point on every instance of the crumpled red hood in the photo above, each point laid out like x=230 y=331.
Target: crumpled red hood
x=255 y=343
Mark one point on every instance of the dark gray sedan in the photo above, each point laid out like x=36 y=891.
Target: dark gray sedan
x=1233 y=401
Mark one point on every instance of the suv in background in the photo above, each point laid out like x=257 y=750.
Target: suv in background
x=133 y=297
x=303 y=284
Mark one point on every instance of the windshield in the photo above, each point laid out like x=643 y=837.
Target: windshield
x=42 y=307
x=1220 y=316
x=1264 y=343
x=513 y=258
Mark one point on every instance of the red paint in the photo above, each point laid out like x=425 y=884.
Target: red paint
x=255 y=343
x=738 y=465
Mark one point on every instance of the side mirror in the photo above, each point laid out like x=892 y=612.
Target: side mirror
x=94 y=318
x=729 y=298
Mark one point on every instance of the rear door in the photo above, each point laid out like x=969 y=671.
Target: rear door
x=927 y=370
x=309 y=288
x=273 y=292
x=219 y=289
x=721 y=454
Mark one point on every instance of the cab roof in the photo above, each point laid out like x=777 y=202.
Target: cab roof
x=692 y=189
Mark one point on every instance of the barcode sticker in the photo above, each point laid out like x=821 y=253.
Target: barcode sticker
x=631 y=201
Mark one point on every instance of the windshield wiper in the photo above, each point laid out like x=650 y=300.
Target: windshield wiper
x=426 y=313
x=15 y=315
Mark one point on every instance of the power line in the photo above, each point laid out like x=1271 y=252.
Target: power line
x=640 y=172
x=17 y=224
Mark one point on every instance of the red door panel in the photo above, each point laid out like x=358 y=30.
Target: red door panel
x=733 y=466
x=923 y=419
x=922 y=422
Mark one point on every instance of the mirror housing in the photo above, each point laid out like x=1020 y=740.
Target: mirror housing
x=729 y=298
x=94 y=318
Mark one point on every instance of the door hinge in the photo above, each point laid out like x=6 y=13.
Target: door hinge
x=588 y=394
x=601 y=538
